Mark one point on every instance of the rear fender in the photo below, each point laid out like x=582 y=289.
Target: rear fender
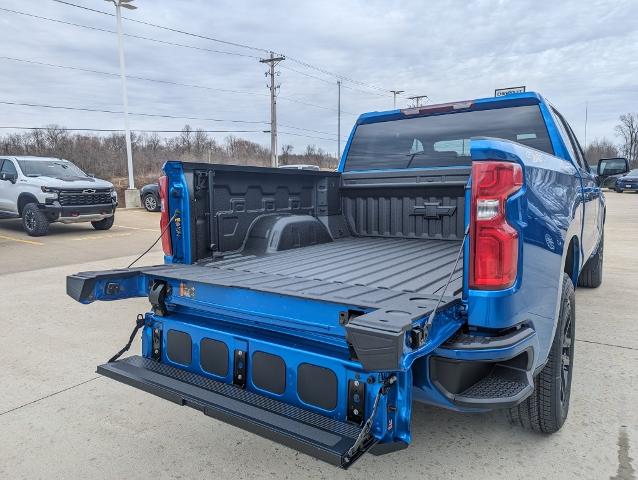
x=546 y=213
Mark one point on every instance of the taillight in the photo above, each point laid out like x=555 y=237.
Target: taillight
x=164 y=218
x=493 y=241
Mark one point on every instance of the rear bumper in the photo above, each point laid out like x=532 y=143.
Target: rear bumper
x=482 y=373
x=626 y=186
x=79 y=213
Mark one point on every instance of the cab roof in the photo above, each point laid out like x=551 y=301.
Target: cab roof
x=512 y=100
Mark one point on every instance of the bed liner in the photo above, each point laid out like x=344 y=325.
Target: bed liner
x=396 y=283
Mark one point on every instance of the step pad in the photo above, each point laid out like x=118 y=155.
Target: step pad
x=311 y=433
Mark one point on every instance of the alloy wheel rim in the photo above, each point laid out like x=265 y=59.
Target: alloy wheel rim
x=566 y=361
x=151 y=204
x=29 y=219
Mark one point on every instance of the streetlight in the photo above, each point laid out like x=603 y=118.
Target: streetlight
x=131 y=195
x=394 y=95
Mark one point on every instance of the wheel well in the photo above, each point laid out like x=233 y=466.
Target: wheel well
x=572 y=260
x=23 y=199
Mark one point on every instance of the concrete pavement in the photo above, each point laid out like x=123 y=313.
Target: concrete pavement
x=61 y=420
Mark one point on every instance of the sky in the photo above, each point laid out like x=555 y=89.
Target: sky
x=579 y=55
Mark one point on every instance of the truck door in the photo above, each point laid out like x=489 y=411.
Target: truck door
x=590 y=191
x=8 y=188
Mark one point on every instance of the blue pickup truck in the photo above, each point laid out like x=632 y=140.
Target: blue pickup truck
x=437 y=264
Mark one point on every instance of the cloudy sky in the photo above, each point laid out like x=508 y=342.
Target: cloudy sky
x=576 y=53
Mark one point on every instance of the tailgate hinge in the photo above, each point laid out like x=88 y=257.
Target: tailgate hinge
x=157 y=296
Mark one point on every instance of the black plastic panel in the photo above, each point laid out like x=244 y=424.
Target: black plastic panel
x=230 y=199
x=408 y=204
x=317 y=386
x=179 y=347
x=213 y=356
x=275 y=233
x=269 y=372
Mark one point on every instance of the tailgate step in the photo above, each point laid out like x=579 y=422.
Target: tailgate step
x=316 y=435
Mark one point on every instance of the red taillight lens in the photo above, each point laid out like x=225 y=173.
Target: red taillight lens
x=164 y=218
x=493 y=241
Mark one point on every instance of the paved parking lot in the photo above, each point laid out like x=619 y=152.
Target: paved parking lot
x=134 y=231
x=58 y=419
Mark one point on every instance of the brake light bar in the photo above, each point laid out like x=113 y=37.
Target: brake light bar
x=493 y=241
x=164 y=216
x=438 y=108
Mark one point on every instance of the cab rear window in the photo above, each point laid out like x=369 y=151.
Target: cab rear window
x=442 y=140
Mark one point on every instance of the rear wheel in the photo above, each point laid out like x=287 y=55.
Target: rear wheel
x=545 y=410
x=34 y=221
x=618 y=190
x=592 y=274
x=104 y=224
x=150 y=203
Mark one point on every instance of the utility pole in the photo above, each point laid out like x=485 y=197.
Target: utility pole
x=394 y=95
x=586 y=114
x=339 y=120
x=131 y=198
x=417 y=99
x=273 y=62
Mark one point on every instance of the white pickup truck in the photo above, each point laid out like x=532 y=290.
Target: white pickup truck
x=44 y=190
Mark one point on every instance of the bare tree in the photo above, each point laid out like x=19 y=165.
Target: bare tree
x=56 y=139
x=627 y=130
x=598 y=149
x=105 y=155
x=186 y=138
x=153 y=142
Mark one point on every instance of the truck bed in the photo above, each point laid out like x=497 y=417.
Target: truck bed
x=359 y=270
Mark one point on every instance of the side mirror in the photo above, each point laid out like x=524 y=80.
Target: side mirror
x=9 y=177
x=612 y=166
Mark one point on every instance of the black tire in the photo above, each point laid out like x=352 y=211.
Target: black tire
x=150 y=202
x=546 y=409
x=592 y=274
x=34 y=220
x=104 y=224
x=618 y=190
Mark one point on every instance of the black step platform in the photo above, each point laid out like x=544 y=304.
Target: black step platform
x=316 y=435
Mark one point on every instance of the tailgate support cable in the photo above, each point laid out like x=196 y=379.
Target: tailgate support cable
x=139 y=323
x=430 y=319
x=364 y=435
x=155 y=242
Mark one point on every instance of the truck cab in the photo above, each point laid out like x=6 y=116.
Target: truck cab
x=437 y=264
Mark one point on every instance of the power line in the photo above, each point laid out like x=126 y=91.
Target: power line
x=308 y=136
x=164 y=42
x=183 y=32
x=168 y=82
x=331 y=82
x=226 y=42
x=111 y=74
x=115 y=130
x=130 y=35
x=337 y=75
x=417 y=99
x=139 y=114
